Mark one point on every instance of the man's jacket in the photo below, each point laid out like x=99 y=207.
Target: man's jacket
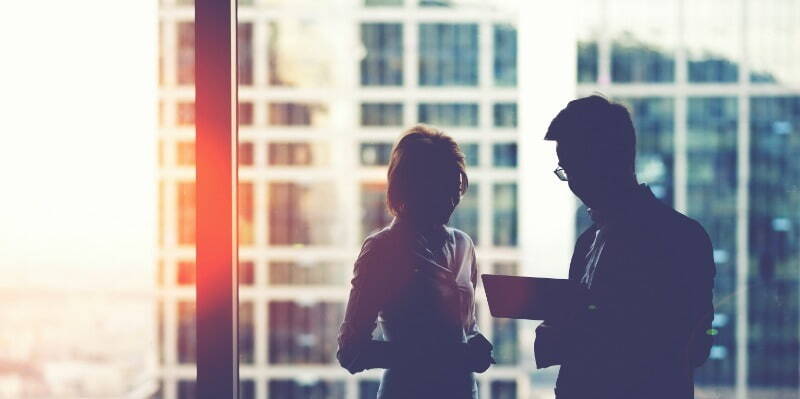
x=646 y=322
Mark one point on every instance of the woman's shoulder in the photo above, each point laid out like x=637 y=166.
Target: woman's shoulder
x=460 y=237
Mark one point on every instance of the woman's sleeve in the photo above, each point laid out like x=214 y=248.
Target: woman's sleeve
x=357 y=350
x=473 y=319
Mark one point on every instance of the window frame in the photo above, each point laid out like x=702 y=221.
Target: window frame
x=216 y=148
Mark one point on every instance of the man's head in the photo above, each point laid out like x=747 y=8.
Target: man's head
x=596 y=146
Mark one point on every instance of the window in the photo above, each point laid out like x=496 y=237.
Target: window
x=245 y=154
x=505 y=115
x=449 y=114
x=245 y=53
x=505 y=214
x=373 y=207
x=448 y=54
x=379 y=3
x=504 y=155
x=295 y=217
x=712 y=184
x=713 y=53
x=185 y=115
x=383 y=63
x=246 y=333
x=186 y=213
x=245 y=198
x=303 y=333
x=368 y=389
x=247 y=273
x=653 y=119
x=643 y=40
x=185 y=153
x=245 y=113
x=504 y=389
x=187 y=338
x=301 y=52
x=280 y=388
x=471 y=153
x=774 y=240
x=297 y=154
x=465 y=217
x=587 y=61
x=635 y=61
x=375 y=154
x=307 y=273
x=771 y=40
x=185 y=53
x=297 y=114
x=247 y=388
x=381 y=114
x=505 y=55
x=186 y=273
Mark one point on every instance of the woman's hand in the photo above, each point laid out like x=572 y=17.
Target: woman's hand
x=479 y=353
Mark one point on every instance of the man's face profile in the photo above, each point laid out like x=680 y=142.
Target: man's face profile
x=582 y=176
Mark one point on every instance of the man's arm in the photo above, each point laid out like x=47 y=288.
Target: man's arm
x=701 y=260
x=554 y=341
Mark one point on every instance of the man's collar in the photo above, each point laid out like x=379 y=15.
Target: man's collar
x=622 y=206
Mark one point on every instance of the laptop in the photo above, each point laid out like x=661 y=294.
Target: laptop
x=530 y=298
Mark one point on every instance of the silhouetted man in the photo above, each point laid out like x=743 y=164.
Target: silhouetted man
x=646 y=270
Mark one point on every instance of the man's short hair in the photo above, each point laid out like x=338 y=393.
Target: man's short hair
x=603 y=127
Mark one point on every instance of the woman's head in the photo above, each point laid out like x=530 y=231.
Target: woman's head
x=426 y=175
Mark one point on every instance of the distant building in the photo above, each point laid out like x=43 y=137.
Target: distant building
x=326 y=88
x=714 y=88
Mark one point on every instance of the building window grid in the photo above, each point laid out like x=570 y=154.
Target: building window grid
x=682 y=88
x=487 y=251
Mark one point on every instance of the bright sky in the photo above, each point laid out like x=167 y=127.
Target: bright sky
x=77 y=160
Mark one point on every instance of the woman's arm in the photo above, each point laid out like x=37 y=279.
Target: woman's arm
x=479 y=349
x=357 y=350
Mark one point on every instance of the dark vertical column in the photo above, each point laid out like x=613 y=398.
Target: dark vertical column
x=215 y=102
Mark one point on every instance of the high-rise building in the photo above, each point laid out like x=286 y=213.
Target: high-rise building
x=326 y=87
x=714 y=89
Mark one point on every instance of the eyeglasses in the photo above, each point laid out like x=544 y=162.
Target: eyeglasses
x=561 y=173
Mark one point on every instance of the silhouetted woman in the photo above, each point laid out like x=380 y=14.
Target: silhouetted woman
x=416 y=279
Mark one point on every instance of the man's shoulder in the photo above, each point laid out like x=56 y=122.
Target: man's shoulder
x=679 y=224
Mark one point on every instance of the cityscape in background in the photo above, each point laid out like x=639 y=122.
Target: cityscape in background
x=716 y=104
x=326 y=87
